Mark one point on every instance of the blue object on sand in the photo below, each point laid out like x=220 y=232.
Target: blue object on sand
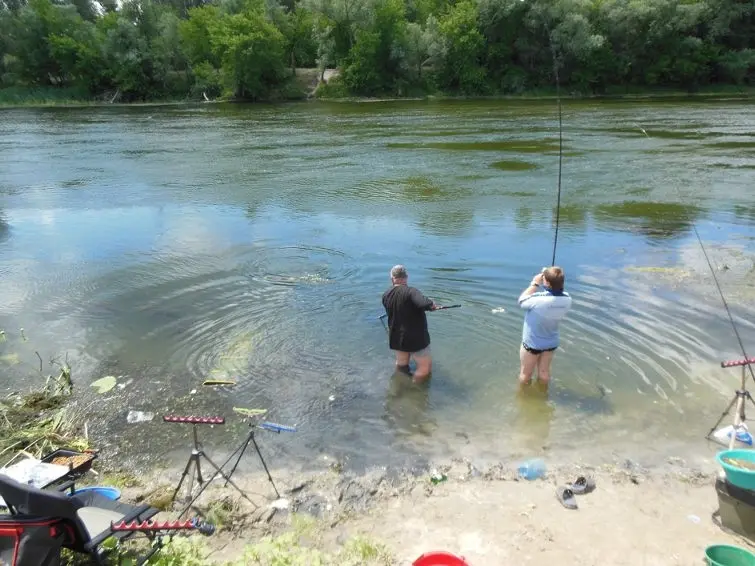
x=532 y=469
x=110 y=492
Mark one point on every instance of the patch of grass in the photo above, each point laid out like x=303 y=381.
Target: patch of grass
x=159 y=497
x=361 y=550
x=301 y=547
x=182 y=551
x=33 y=96
x=221 y=512
x=120 y=479
x=36 y=422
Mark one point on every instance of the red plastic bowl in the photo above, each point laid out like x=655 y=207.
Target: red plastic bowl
x=440 y=558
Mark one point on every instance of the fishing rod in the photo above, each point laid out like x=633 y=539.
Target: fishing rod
x=560 y=152
x=560 y=148
x=382 y=316
x=441 y=308
x=741 y=395
x=723 y=300
x=445 y=307
x=718 y=286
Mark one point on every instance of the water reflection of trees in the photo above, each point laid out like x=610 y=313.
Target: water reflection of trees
x=523 y=218
x=571 y=216
x=447 y=222
x=656 y=220
x=745 y=212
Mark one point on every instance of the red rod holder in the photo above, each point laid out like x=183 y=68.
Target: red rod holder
x=736 y=363
x=153 y=525
x=194 y=420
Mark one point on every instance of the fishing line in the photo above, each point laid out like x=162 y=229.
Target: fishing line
x=723 y=299
x=718 y=286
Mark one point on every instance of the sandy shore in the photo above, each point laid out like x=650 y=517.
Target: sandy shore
x=635 y=516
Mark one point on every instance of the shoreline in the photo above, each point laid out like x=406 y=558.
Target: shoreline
x=741 y=94
x=487 y=515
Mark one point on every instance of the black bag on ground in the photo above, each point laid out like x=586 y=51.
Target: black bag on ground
x=31 y=541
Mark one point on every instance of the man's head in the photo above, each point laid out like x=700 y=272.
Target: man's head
x=554 y=278
x=399 y=274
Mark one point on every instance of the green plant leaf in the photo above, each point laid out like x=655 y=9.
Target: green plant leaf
x=104 y=384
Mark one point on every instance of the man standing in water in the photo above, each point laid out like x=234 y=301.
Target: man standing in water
x=408 y=335
x=540 y=337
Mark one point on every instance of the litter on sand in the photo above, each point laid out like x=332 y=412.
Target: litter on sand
x=218 y=382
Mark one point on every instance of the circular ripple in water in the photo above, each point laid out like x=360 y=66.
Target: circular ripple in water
x=297 y=265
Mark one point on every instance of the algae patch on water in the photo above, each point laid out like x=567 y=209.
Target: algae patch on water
x=654 y=219
x=673 y=271
x=733 y=165
x=732 y=145
x=511 y=165
x=520 y=146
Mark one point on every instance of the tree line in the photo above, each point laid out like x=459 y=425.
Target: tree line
x=250 y=49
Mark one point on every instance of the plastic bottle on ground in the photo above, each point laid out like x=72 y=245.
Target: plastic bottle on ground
x=532 y=469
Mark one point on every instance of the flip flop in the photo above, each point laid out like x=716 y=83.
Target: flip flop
x=566 y=497
x=583 y=485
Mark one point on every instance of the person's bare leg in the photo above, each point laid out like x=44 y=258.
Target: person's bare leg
x=527 y=364
x=424 y=365
x=402 y=362
x=544 y=369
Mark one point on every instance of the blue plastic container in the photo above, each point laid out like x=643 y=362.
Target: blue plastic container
x=532 y=469
x=110 y=492
x=740 y=477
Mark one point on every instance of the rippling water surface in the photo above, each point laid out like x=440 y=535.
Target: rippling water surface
x=173 y=244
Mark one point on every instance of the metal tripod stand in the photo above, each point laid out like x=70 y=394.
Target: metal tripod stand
x=241 y=449
x=197 y=453
x=740 y=397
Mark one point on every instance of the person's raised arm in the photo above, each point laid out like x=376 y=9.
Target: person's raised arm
x=422 y=302
x=526 y=301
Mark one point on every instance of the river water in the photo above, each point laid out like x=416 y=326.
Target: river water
x=169 y=244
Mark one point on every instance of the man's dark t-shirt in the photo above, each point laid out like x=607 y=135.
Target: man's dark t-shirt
x=407 y=322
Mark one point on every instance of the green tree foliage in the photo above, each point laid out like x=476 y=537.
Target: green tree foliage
x=250 y=49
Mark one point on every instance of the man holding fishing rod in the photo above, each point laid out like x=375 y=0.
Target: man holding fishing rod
x=408 y=335
x=540 y=338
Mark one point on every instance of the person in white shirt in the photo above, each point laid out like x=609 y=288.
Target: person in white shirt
x=545 y=308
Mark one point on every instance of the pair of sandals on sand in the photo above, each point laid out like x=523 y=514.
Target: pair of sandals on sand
x=582 y=486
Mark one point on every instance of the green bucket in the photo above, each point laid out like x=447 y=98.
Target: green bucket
x=725 y=555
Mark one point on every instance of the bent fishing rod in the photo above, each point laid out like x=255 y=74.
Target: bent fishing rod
x=560 y=147
x=442 y=308
x=718 y=287
x=383 y=316
x=560 y=150
x=745 y=357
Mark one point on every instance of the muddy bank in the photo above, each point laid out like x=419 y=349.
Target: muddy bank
x=489 y=515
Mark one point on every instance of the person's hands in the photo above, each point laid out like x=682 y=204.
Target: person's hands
x=537 y=279
x=434 y=307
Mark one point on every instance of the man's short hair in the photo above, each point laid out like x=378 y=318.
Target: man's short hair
x=555 y=277
x=399 y=272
